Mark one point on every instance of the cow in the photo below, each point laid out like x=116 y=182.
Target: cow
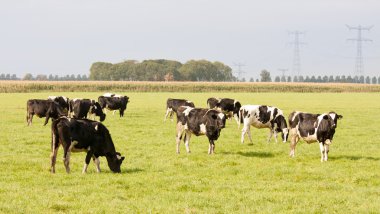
x=82 y=135
x=226 y=105
x=173 y=104
x=43 y=108
x=313 y=128
x=62 y=100
x=80 y=108
x=262 y=116
x=114 y=103
x=199 y=121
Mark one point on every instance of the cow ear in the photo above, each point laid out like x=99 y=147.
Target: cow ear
x=339 y=116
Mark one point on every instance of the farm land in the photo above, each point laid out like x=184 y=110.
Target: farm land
x=238 y=178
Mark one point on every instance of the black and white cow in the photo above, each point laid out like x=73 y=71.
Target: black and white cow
x=62 y=100
x=313 y=128
x=262 y=116
x=199 y=121
x=43 y=108
x=173 y=104
x=114 y=102
x=228 y=106
x=82 y=135
x=80 y=108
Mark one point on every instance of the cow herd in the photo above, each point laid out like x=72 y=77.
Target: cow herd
x=210 y=121
x=71 y=128
x=74 y=132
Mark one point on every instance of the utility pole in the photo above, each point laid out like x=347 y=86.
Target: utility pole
x=296 y=69
x=359 y=68
x=239 y=72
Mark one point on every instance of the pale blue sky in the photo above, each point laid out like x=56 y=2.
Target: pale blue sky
x=66 y=37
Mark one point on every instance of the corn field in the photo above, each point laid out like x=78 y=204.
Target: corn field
x=101 y=86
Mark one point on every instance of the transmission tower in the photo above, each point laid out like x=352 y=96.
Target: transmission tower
x=359 y=68
x=296 y=69
x=239 y=71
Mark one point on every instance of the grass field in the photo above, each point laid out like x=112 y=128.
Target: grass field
x=239 y=178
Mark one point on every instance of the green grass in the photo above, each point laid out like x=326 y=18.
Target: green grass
x=239 y=178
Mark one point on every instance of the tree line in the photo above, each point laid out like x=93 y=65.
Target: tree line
x=266 y=77
x=162 y=70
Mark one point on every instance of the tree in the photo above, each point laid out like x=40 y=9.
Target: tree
x=368 y=80
x=331 y=78
x=28 y=76
x=283 y=79
x=289 y=79
x=251 y=79
x=374 y=80
x=361 y=79
x=14 y=77
x=325 y=79
x=265 y=76
x=277 y=79
x=301 y=79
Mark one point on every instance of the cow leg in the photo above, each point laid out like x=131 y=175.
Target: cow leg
x=211 y=147
x=270 y=135
x=66 y=155
x=187 y=141
x=97 y=163
x=322 y=148
x=326 y=151
x=179 y=132
x=246 y=130
x=29 y=119
x=171 y=116
x=293 y=142
x=166 y=114
x=54 y=151
x=87 y=161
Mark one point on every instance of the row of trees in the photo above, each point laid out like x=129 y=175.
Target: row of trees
x=43 y=77
x=266 y=77
x=8 y=77
x=162 y=70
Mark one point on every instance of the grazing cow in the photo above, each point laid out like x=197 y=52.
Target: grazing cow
x=43 y=108
x=63 y=101
x=80 y=108
x=313 y=128
x=173 y=104
x=228 y=106
x=262 y=116
x=82 y=135
x=199 y=121
x=114 y=103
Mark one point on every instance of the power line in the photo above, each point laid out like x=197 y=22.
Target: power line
x=296 y=69
x=239 y=72
x=359 y=67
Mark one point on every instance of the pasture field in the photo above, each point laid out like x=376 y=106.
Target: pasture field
x=239 y=178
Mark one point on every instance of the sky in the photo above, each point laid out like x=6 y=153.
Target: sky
x=66 y=37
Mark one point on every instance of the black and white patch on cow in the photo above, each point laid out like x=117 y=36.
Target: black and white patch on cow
x=313 y=128
x=82 y=108
x=62 y=100
x=173 y=104
x=199 y=121
x=43 y=108
x=114 y=102
x=262 y=116
x=228 y=106
x=82 y=135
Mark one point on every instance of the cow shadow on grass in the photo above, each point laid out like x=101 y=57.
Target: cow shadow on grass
x=252 y=154
x=133 y=170
x=354 y=157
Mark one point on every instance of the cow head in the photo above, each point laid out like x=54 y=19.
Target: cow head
x=114 y=161
x=335 y=117
x=214 y=121
x=237 y=106
x=281 y=126
x=55 y=111
x=63 y=102
x=97 y=110
x=102 y=101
